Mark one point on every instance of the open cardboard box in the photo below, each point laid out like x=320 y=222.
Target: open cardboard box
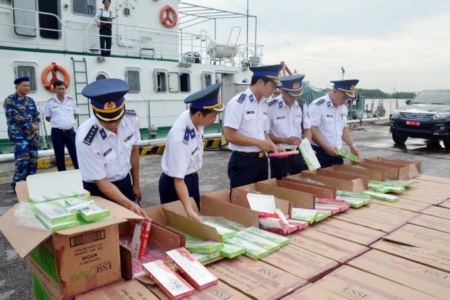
x=125 y=290
x=342 y=182
x=353 y=169
x=73 y=258
x=416 y=166
x=395 y=169
x=318 y=191
x=298 y=199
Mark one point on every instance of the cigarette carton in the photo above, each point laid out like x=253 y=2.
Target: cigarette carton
x=380 y=196
x=203 y=246
x=223 y=232
x=169 y=282
x=94 y=212
x=55 y=212
x=322 y=215
x=259 y=241
x=206 y=257
x=347 y=154
x=192 y=269
x=283 y=241
x=303 y=214
x=308 y=155
x=140 y=238
x=277 y=226
x=251 y=250
x=231 y=251
x=57 y=227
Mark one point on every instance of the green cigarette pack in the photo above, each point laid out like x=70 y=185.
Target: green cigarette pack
x=94 y=212
x=322 y=215
x=206 y=257
x=57 y=227
x=279 y=239
x=203 y=246
x=224 y=232
x=380 y=196
x=403 y=183
x=54 y=212
x=304 y=214
x=347 y=154
x=259 y=241
x=231 y=251
x=251 y=250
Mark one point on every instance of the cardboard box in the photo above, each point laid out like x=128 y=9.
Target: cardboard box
x=76 y=260
x=445 y=204
x=431 y=222
x=221 y=291
x=413 y=275
x=348 y=231
x=301 y=263
x=354 y=169
x=415 y=165
x=439 y=212
x=393 y=171
x=430 y=185
x=411 y=168
x=405 y=204
x=378 y=217
x=318 y=191
x=239 y=197
x=436 y=179
x=317 y=188
x=345 y=184
x=298 y=199
x=419 y=236
x=426 y=195
x=326 y=245
x=125 y=290
x=435 y=258
x=256 y=279
x=314 y=292
x=355 y=284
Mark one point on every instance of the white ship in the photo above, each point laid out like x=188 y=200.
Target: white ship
x=161 y=61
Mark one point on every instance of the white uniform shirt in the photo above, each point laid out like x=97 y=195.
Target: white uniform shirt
x=101 y=12
x=287 y=121
x=183 y=154
x=329 y=120
x=249 y=117
x=61 y=113
x=108 y=155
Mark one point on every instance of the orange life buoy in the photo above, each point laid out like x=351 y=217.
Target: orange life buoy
x=53 y=69
x=166 y=18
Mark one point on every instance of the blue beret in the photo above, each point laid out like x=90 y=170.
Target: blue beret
x=207 y=98
x=107 y=98
x=347 y=86
x=21 y=79
x=271 y=72
x=293 y=84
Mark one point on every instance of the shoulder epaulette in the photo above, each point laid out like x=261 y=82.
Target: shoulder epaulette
x=50 y=99
x=131 y=112
x=320 y=102
x=272 y=102
x=186 y=135
x=241 y=98
x=90 y=135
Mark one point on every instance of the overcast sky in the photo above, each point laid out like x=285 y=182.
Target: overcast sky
x=387 y=44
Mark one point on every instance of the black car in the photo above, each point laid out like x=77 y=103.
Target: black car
x=427 y=116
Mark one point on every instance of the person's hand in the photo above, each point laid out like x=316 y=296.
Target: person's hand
x=354 y=150
x=35 y=127
x=98 y=24
x=136 y=209
x=266 y=146
x=137 y=192
x=293 y=140
x=331 y=151
x=28 y=131
x=193 y=215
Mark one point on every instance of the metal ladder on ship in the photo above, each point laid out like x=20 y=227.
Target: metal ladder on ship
x=80 y=80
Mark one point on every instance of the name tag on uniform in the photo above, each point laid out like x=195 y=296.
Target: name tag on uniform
x=281 y=118
x=107 y=152
x=249 y=112
x=128 y=138
x=330 y=116
x=195 y=150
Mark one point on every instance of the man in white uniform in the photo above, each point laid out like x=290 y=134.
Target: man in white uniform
x=246 y=126
x=328 y=116
x=107 y=145
x=104 y=18
x=61 y=112
x=183 y=154
x=289 y=123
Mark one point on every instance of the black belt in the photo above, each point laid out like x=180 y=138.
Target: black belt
x=251 y=154
x=63 y=130
x=192 y=174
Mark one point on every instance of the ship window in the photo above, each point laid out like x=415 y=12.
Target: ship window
x=49 y=24
x=160 y=78
x=6 y=1
x=185 y=82
x=30 y=72
x=100 y=77
x=85 y=7
x=174 y=82
x=134 y=81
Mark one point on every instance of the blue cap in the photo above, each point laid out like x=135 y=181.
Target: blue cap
x=293 y=84
x=208 y=98
x=347 y=86
x=271 y=72
x=21 y=79
x=107 y=99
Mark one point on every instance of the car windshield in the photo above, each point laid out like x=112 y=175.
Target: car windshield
x=433 y=97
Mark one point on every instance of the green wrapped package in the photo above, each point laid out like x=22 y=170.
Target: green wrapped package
x=403 y=183
x=279 y=239
x=251 y=250
x=57 y=227
x=199 y=246
x=381 y=186
x=322 y=215
x=54 y=212
x=231 y=251
x=347 y=154
x=206 y=257
x=224 y=233
x=94 y=212
x=303 y=214
x=259 y=241
x=354 y=194
x=380 y=196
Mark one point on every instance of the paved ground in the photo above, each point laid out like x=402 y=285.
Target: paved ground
x=15 y=279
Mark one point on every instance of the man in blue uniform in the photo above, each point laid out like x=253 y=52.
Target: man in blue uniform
x=183 y=155
x=61 y=111
x=23 y=120
x=246 y=128
x=106 y=144
x=289 y=123
x=328 y=116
